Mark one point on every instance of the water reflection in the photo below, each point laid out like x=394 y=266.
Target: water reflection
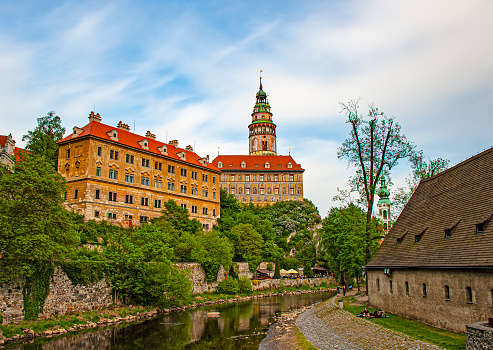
x=240 y=325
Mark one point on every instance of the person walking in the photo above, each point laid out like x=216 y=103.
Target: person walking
x=344 y=290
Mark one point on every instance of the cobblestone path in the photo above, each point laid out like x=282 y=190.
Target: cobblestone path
x=328 y=327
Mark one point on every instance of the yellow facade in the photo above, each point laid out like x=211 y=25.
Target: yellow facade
x=111 y=180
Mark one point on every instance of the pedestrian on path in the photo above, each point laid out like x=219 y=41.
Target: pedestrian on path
x=344 y=290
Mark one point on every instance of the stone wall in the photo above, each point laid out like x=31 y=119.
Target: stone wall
x=66 y=298
x=11 y=303
x=198 y=277
x=276 y=283
x=453 y=312
x=479 y=336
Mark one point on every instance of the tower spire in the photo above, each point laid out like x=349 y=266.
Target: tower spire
x=262 y=130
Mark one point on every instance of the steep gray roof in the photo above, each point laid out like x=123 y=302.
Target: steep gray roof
x=457 y=199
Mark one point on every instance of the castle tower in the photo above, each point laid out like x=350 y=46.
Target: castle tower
x=383 y=205
x=262 y=137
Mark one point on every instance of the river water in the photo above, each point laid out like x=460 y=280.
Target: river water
x=240 y=325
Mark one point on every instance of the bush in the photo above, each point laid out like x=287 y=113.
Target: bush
x=245 y=285
x=228 y=286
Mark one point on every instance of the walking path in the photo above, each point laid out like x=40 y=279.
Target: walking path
x=327 y=327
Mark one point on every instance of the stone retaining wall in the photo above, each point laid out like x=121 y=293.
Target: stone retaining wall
x=276 y=283
x=479 y=336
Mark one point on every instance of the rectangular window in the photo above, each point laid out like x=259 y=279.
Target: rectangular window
x=195 y=191
x=157 y=203
x=214 y=180
x=129 y=199
x=183 y=172
x=204 y=211
x=247 y=190
x=205 y=226
x=98 y=171
x=129 y=177
x=195 y=209
x=100 y=151
x=378 y=285
x=291 y=191
x=144 y=180
x=144 y=219
x=158 y=183
x=407 y=288
x=291 y=177
x=129 y=158
x=97 y=195
x=145 y=162
x=391 y=287
x=205 y=193
x=213 y=195
x=232 y=177
x=76 y=193
x=112 y=196
x=114 y=154
x=276 y=177
x=96 y=214
x=447 y=293
x=424 y=290
x=183 y=189
x=171 y=169
x=171 y=186
x=262 y=191
x=232 y=191
x=469 y=295
x=276 y=191
x=261 y=177
x=68 y=154
x=158 y=166
x=214 y=212
x=184 y=206
x=144 y=201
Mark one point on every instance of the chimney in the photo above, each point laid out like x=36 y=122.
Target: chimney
x=150 y=135
x=189 y=148
x=123 y=126
x=174 y=143
x=94 y=117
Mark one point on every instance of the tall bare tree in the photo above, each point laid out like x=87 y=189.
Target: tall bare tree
x=374 y=147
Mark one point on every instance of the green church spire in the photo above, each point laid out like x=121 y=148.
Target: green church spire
x=384 y=193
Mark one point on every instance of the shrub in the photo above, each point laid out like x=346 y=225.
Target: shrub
x=228 y=286
x=245 y=285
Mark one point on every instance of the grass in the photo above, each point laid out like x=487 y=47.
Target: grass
x=414 y=329
x=67 y=321
x=302 y=342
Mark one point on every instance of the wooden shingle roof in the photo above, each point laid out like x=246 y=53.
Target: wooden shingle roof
x=455 y=200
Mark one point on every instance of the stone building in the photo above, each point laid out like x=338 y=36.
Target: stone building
x=436 y=263
x=125 y=178
x=8 y=151
x=262 y=176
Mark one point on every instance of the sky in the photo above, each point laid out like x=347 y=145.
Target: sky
x=189 y=70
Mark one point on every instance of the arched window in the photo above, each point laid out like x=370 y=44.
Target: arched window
x=255 y=190
x=299 y=190
x=240 y=190
x=385 y=214
x=284 y=190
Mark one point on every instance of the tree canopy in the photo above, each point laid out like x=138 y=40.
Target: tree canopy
x=42 y=140
x=34 y=224
x=374 y=147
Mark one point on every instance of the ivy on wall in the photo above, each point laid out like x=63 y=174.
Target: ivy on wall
x=36 y=288
x=84 y=272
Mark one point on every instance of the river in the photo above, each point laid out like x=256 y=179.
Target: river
x=240 y=325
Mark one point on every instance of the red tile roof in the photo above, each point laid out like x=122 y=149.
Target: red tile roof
x=256 y=163
x=457 y=199
x=18 y=153
x=3 y=139
x=100 y=130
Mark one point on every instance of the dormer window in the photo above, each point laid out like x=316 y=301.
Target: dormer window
x=481 y=226
x=267 y=165
x=290 y=165
x=219 y=164
x=243 y=164
x=450 y=230
x=417 y=238
x=401 y=238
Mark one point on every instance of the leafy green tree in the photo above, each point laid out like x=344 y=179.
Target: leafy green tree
x=211 y=251
x=42 y=140
x=374 y=147
x=250 y=244
x=179 y=218
x=344 y=238
x=34 y=225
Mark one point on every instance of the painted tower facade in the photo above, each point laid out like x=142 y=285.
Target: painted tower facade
x=262 y=136
x=383 y=205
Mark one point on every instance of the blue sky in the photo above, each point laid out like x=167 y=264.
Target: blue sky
x=188 y=70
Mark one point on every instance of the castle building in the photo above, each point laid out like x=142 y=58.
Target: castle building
x=383 y=205
x=126 y=178
x=262 y=176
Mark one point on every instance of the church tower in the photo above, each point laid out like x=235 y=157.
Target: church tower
x=383 y=205
x=262 y=138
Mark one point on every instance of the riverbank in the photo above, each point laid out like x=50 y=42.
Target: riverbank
x=28 y=331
